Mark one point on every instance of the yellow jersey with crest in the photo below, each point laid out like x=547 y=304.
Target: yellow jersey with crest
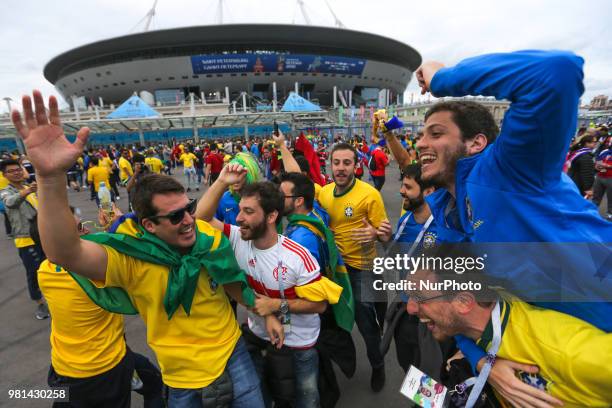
x=192 y=350
x=346 y=213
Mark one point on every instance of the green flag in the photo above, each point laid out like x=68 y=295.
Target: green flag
x=220 y=263
x=344 y=310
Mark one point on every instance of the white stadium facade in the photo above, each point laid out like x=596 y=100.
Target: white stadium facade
x=170 y=64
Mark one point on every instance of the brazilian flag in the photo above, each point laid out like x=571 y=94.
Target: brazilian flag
x=344 y=310
x=133 y=240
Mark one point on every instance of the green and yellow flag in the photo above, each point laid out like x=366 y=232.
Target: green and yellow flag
x=344 y=310
x=135 y=241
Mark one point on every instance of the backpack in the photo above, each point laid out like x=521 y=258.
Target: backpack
x=372 y=162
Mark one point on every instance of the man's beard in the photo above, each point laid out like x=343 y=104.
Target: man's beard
x=256 y=231
x=289 y=209
x=447 y=176
x=412 y=204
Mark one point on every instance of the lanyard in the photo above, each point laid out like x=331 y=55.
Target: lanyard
x=259 y=276
x=418 y=239
x=480 y=381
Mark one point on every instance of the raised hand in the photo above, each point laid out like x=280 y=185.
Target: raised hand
x=232 y=174
x=48 y=149
x=425 y=73
x=278 y=139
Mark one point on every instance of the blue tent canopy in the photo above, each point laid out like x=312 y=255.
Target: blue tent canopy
x=134 y=107
x=295 y=103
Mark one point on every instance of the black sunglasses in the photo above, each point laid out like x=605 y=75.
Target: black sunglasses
x=177 y=216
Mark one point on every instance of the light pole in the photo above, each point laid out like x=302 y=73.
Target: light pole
x=8 y=103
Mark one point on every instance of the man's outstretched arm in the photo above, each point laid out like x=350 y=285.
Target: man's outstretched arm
x=52 y=155
x=231 y=174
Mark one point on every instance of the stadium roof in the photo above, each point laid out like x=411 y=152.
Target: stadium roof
x=233 y=37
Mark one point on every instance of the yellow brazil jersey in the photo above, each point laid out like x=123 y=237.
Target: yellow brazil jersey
x=107 y=162
x=154 y=164
x=98 y=174
x=346 y=213
x=125 y=169
x=85 y=339
x=187 y=159
x=573 y=356
x=317 y=191
x=3 y=182
x=192 y=351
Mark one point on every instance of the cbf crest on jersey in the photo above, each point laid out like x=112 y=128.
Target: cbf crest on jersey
x=429 y=240
x=348 y=211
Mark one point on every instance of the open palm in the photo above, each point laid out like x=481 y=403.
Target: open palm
x=44 y=139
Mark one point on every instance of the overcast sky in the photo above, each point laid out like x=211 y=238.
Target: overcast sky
x=32 y=31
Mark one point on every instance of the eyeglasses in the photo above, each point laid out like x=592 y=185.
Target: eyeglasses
x=177 y=216
x=421 y=299
x=14 y=170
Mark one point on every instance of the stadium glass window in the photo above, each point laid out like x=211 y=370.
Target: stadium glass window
x=208 y=75
x=145 y=80
x=292 y=74
x=97 y=87
x=333 y=75
x=185 y=77
x=195 y=76
x=75 y=81
x=108 y=72
x=255 y=73
x=171 y=78
x=304 y=73
x=89 y=89
x=233 y=75
x=243 y=74
x=105 y=86
x=343 y=76
x=267 y=74
x=365 y=77
x=281 y=73
x=82 y=79
x=325 y=75
x=122 y=83
x=115 y=84
x=158 y=79
x=98 y=74
x=136 y=81
x=219 y=75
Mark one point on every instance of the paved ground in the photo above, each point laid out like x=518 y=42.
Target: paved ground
x=24 y=341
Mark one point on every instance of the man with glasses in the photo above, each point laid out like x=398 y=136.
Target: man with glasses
x=21 y=204
x=572 y=355
x=171 y=270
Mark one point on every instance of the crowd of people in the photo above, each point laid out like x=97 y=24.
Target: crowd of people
x=290 y=231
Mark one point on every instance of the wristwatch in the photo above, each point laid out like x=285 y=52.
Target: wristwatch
x=284 y=307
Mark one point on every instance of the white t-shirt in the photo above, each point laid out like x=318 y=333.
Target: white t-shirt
x=298 y=267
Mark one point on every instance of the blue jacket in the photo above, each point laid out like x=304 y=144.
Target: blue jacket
x=228 y=209
x=515 y=191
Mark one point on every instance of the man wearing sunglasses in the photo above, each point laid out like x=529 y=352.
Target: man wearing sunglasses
x=20 y=201
x=166 y=268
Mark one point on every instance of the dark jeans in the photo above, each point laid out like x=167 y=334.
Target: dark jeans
x=306 y=371
x=368 y=313
x=111 y=389
x=200 y=174
x=7 y=224
x=152 y=384
x=213 y=178
x=32 y=256
x=247 y=392
x=379 y=182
